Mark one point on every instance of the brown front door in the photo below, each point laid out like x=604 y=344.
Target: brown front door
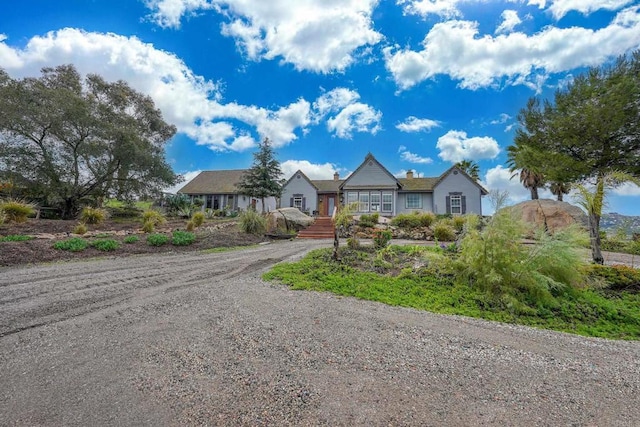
x=326 y=203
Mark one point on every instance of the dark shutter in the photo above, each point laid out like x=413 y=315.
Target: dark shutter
x=304 y=204
x=291 y=202
x=448 y=204
x=464 y=204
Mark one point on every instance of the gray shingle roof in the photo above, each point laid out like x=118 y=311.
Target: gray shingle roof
x=214 y=182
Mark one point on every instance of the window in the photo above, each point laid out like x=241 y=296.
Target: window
x=375 y=202
x=414 y=201
x=387 y=202
x=352 y=197
x=297 y=202
x=230 y=200
x=363 y=206
x=456 y=205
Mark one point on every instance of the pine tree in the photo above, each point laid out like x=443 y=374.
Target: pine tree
x=263 y=179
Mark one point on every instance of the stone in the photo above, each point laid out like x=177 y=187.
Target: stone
x=288 y=219
x=557 y=215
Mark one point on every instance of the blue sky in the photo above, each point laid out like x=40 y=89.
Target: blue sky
x=421 y=84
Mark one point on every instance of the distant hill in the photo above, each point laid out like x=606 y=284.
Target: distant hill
x=613 y=221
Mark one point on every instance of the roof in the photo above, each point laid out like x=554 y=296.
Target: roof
x=214 y=182
x=417 y=184
x=369 y=157
x=328 y=185
x=483 y=190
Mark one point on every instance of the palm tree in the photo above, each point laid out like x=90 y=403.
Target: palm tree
x=471 y=168
x=559 y=188
x=530 y=177
x=531 y=180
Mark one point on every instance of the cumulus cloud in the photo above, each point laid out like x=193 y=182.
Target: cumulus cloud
x=414 y=124
x=510 y=20
x=443 y=8
x=410 y=157
x=455 y=146
x=456 y=49
x=345 y=114
x=627 y=189
x=187 y=100
x=560 y=8
x=504 y=117
x=315 y=35
x=500 y=179
x=311 y=170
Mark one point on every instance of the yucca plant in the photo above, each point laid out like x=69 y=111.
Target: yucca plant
x=16 y=210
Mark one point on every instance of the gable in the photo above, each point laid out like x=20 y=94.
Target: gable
x=370 y=174
x=455 y=177
x=214 y=182
x=299 y=184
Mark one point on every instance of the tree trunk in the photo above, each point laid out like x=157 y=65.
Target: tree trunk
x=263 y=211
x=70 y=208
x=560 y=199
x=594 y=234
x=336 y=244
x=534 y=193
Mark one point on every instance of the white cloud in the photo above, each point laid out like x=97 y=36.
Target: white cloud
x=346 y=114
x=455 y=146
x=316 y=35
x=504 y=117
x=189 y=101
x=410 y=157
x=510 y=20
x=627 y=189
x=311 y=170
x=456 y=49
x=443 y=8
x=560 y=8
x=500 y=178
x=402 y=173
x=414 y=124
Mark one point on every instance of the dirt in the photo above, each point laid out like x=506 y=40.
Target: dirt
x=212 y=234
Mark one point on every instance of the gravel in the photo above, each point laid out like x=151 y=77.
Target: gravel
x=200 y=339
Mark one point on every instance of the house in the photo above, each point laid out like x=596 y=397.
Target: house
x=218 y=189
x=372 y=188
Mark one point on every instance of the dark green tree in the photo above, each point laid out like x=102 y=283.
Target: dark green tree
x=69 y=141
x=471 y=168
x=263 y=179
x=522 y=166
x=590 y=132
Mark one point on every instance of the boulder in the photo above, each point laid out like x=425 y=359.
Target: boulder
x=557 y=215
x=287 y=219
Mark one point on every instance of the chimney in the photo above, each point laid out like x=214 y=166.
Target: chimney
x=409 y=174
x=336 y=176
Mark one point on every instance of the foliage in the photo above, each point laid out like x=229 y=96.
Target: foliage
x=443 y=231
x=344 y=217
x=381 y=238
x=148 y=227
x=90 y=215
x=106 y=245
x=68 y=138
x=191 y=225
x=157 y=239
x=621 y=246
x=178 y=203
x=262 y=180
x=211 y=213
x=251 y=222
x=198 y=219
x=154 y=217
x=124 y=211
x=353 y=242
x=74 y=244
x=471 y=168
x=81 y=228
x=16 y=238
x=182 y=238
x=16 y=210
x=617 y=277
x=458 y=222
x=580 y=311
x=3 y=216
x=131 y=239
x=368 y=221
x=414 y=219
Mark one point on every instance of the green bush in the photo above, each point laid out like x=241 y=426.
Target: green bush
x=148 y=226
x=369 y=221
x=414 y=219
x=617 y=277
x=252 y=222
x=16 y=210
x=106 y=245
x=157 y=239
x=131 y=239
x=94 y=216
x=75 y=244
x=154 y=217
x=80 y=229
x=191 y=225
x=198 y=219
x=458 y=222
x=182 y=238
x=125 y=211
x=381 y=238
x=443 y=231
x=16 y=238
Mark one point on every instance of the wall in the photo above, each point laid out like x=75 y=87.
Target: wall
x=427 y=203
x=300 y=186
x=457 y=183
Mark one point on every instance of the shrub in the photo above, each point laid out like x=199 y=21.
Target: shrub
x=16 y=210
x=198 y=219
x=131 y=239
x=369 y=221
x=182 y=238
x=381 y=238
x=75 y=244
x=16 y=238
x=617 y=277
x=209 y=213
x=90 y=215
x=148 y=227
x=353 y=243
x=415 y=219
x=153 y=216
x=106 y=245
x=81 y=228
x=3 y=216
x=125 y=211
x=191 y=225
x=157 y=239
x=443 y=231
x=252 y=222
x=458 y=222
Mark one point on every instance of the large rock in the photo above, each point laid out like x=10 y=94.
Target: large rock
x=556 y=215
x=287 y=219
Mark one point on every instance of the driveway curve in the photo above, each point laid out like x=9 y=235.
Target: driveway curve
x=199 y=339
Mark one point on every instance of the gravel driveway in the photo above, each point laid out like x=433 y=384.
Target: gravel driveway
x=193 y=339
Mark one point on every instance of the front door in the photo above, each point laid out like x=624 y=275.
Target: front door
x=331 y=204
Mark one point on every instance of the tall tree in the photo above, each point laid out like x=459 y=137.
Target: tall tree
x=559 y=188
x=66 y=139
x=471 y=168
x=522 y=166
x=263 y=179
x=589 y=132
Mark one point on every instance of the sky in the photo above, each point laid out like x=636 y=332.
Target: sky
x=420 y=84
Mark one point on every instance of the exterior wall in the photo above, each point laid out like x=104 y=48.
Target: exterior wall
x=300 y=186
x=370 y=175
x=427 y=203
x=461 y=184
x=370 y=207
x=244 y=202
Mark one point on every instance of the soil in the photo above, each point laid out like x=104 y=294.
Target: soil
x=212 y=234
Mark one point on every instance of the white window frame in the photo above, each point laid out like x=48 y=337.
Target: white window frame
x=456 y=205
x=297 y=202
x=387 y=205
x=375 y=200
x=410 y=204
x=363 y=201
x=352 y=197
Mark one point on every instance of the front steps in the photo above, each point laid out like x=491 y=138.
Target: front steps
x=322 y=228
